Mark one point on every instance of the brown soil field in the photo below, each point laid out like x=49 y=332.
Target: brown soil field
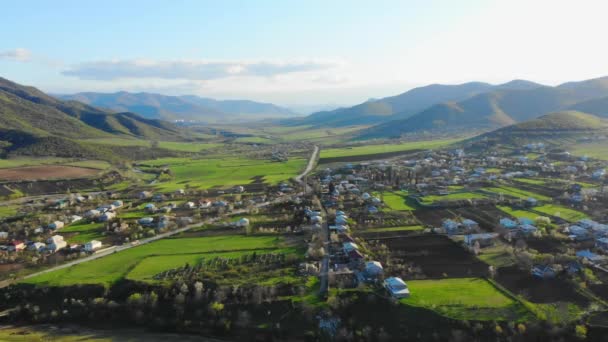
x=436 y=255
x=45 y=172
x=537 y=290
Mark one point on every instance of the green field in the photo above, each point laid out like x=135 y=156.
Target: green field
x=563 y=212
x=384 y=148
x=463 y=298
x=84 y=232
x=397 y=201
x=457 y=196
x=593 y=150
x=518 y=213
x=114 y=267
x=8 y=210
x=517 y=193
x=225 y=172
x=168 y=145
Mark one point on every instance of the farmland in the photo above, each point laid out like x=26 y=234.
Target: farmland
x=45 y=172
x=225 y=172
x=463 y=298
x=370 y=150
x=179 y=251
x=397 y=201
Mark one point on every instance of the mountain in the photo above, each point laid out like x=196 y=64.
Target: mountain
x=187 y=107
x=406 y=104
x=497 y=108
x=597 y=107
x=554 y=128
x=29 y=117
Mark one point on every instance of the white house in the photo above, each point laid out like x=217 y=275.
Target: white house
x=92 y=245
x=243 y=222
x=55 y=243
x=3 y=235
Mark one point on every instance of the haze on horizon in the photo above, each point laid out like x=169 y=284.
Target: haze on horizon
x=298 y=53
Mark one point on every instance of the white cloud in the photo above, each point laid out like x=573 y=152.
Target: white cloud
x=18 y=54
x=195 y=70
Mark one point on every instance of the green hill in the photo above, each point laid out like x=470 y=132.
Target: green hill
x=32 y=122
x=558 y=128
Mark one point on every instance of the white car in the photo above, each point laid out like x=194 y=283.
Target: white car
x=396 y=287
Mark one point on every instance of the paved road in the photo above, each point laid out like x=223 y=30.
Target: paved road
x=116 y=249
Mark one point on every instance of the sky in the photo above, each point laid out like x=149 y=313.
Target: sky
x=298 y=52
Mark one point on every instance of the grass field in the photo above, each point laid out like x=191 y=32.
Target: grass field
x=457 y=196
x=463 y=298
x=225 y=172
x=84 y=232
x=397 y=201
x=8 y=210
x=114 y=267
x=517 y=193
x=518 y=213
x=168 y=145
x=384 y=148
x=593 y=150
x=563 y=212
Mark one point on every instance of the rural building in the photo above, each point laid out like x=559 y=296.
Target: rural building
x=146 y=221
x=16 y=246
x=396 y=287
x=543 y=272
x=3 y=235
x=37 y=246
x=107 y=216
x=373 y=269
x=92 y=245
x=56 y=225
x=484 y=240
x=55 y=243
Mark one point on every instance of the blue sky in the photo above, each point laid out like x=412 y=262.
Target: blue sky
x=297 y=52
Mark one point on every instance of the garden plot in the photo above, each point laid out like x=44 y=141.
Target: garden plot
x=436 y=255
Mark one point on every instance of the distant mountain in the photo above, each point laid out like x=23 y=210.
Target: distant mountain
x=597 y=107
x=493 y=109
x=188 y=107
x=405 y=105
x=29 y=116
x=552 y=128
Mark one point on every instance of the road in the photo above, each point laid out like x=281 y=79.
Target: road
x=116 y=249
x=309 y=167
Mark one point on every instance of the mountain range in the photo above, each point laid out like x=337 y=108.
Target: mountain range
x=500 y=106
x=186 y=107
x=404 y=105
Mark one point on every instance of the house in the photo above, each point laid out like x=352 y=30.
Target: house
x=3 y=235
x=590 y=256
x=75 y=218
x=578 y=233
x=543 y=272
x=484 y=240
x=355 y=255
x=396 y=287
x=37 y=247
x=507 y=223
x=602 y=244
x=92 y=245
x=204 y=204
x=373 y=269
x=92 y=213
x=341 y=220
x=16 y=246
x=107 y=216
x=316 y=219
x=349 y=246
x=531 y=202
x=38 y=230
x=117 y=204
x=470 y=225
x=56 y=225
x=189 y=205
x=55 y=243
x=372 y=210
x=528 y=229
x=243 y=222
x=145 y=221
x=150 y=208
x=144 y=195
